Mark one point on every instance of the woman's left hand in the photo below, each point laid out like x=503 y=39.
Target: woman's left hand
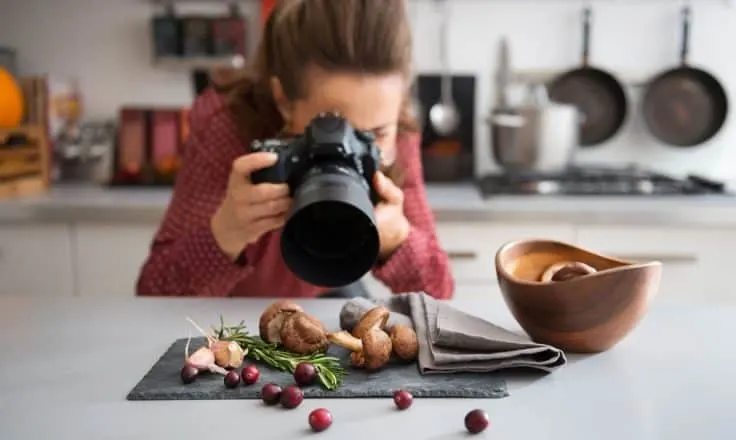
x=393 y=227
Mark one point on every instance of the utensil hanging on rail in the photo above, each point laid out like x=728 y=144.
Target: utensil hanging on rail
x=504 y=120
x=444 y=115
x=598 y=95
x=685 y=106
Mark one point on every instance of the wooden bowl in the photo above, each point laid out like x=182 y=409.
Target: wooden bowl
x=590 y=304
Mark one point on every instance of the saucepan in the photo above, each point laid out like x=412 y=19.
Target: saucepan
x=538 y=136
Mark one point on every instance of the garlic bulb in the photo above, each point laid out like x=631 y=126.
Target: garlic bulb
x=228 y=354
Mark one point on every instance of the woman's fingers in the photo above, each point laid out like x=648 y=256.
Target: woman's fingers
x=269 y=208
x=391 y=193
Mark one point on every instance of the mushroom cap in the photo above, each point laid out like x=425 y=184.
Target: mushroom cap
x=303 y=334
x=357 y=359
x=404 y=342
x=566 y=270
x=376 y=349
x=373 y=318
x=272 y=319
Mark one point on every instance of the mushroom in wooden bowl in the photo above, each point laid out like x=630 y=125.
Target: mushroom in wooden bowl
x=572 y=298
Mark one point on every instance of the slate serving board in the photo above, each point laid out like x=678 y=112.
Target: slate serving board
x=162 y=381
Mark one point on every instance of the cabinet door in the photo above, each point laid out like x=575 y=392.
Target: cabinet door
x=695 y=262
x=472 y=247
x=109 y=257
x=36 y=260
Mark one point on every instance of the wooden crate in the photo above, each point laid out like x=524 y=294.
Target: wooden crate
x=25 y=162
x=25 y=166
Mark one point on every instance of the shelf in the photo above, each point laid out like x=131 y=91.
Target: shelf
x=189 y=63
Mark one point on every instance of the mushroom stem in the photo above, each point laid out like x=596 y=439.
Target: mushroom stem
x=346 y=340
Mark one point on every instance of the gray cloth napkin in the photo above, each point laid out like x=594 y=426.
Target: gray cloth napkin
x=452 y=341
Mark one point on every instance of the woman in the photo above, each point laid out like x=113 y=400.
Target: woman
x=220 y=235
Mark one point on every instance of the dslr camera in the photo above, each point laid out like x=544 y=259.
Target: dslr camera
x=330 y=238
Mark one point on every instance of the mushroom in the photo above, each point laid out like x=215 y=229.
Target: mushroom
x=272 y=319
x=373 y=318
x=371 y=352
x=303 y=334
x=566 y=270
x=404 y=342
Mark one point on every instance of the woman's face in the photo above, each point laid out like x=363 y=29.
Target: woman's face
x=369 y=102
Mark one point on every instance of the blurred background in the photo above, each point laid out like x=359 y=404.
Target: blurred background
x=94 y=97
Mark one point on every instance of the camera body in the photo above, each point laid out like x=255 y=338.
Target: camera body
x=330 y=144
x=330 y=237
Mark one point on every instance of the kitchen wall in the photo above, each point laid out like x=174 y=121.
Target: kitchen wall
x=105 y=44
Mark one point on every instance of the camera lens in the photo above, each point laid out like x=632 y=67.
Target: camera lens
x=330 y=238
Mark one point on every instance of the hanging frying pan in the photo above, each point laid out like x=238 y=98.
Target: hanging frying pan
x=597 y=94
x=685 y=106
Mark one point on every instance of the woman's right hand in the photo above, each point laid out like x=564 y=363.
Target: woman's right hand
x=248 y=211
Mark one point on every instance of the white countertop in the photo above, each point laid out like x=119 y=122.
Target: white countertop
x=67 y=366
x=460 y=202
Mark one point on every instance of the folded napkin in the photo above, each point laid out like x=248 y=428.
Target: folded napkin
x=452 y=341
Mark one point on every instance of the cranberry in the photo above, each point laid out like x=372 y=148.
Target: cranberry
x=320 y=419
x=271 y=394
x=305 y=373
x=476 y=421
x=291 y=397
x=250 y=374
x=188 y=374
x=403 y=399
x=232 y=379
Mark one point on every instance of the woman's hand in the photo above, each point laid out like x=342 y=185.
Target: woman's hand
x=248 y=211
x=393 y=227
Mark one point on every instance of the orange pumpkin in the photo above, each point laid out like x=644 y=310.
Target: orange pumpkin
x=11 y=101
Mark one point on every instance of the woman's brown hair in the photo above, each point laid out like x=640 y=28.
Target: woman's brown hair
x=356 y=36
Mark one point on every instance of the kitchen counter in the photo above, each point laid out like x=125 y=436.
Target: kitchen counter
x=68 y=364
x=449 y=202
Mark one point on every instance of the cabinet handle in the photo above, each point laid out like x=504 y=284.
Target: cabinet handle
x=462 y=255
x=682 y=258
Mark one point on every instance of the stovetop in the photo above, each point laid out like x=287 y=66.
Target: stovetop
x=598 y=181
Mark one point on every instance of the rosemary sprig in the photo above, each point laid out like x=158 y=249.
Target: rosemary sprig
x=329 y=371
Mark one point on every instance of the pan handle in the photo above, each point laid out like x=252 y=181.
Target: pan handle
x=587 y=13
x=686 y=24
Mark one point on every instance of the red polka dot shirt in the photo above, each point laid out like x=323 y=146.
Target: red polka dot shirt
x=185 y=260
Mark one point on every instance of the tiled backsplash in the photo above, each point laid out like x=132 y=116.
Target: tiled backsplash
x=105 y=44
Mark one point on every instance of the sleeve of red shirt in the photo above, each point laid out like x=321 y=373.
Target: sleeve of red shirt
x=419 y=264
x=184 y=259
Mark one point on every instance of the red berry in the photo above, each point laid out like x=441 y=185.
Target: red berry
x=188 y=374
x=305 y=374
x=271 y=394
x=403 y=399
x=250 y=374
x=232 y=379
x=291 y=397
x=476 y=421
x=320 y=419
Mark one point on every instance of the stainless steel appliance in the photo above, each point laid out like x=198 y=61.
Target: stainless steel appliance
x=85 y=154
x=538 y=135
x=599 y=181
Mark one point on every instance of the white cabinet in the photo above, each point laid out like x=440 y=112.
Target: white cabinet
x=472 y=246
x=36 y=260
x=696 y=262
x=109 y=257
